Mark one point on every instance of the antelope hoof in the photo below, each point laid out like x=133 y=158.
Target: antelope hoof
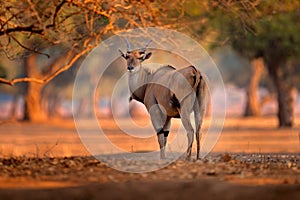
x=162 y=157
x=188 y=158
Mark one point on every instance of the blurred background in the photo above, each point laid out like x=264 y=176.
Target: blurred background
x=254 y=43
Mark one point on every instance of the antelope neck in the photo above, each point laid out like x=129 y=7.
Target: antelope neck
x=138 y=81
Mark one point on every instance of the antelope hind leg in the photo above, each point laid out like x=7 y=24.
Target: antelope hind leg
x=185 y=118
x=198 y=123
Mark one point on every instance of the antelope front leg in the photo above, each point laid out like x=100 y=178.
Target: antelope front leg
x=162 y=144
x=158 y=119
x=162 y=136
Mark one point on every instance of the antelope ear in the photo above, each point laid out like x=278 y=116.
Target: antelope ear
x=147 y=56
x=122 y=54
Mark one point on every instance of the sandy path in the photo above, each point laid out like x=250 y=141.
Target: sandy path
x=252 y=160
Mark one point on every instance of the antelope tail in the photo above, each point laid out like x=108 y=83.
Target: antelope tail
x=201 y=93
x=197 y=78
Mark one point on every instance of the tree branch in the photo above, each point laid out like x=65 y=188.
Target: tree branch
x=19 y=80
x=66 y=67
x=29 y=49
x=97 y=9
x=51 y=76
x=30 y=29
x=55 y=14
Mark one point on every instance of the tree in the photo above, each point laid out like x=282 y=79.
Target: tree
x=252 y=105
x=29 y=28
x=2 y=72
x=33 y=106
x=269 y=30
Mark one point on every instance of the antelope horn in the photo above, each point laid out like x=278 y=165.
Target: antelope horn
x=128 y=46
x=147 y=44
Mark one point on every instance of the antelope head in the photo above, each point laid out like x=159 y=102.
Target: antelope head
x=134 y=58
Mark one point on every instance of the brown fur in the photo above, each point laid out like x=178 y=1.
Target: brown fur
x=168 y=93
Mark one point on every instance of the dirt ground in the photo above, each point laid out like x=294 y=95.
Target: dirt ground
x=253 y=159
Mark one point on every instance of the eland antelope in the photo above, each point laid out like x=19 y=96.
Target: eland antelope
x=167 y=93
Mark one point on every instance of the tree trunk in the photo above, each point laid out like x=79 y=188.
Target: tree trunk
x=33 y=106
x=284 y=95
x=52 y=105
x=252 y=105
x=285 y=108
x=85 y=107
x=32 y=109
x=14 y=107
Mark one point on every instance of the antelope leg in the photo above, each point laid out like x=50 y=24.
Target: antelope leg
x=158 y=119
x=162 y=142
x=166 y=130
x=185 y=114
